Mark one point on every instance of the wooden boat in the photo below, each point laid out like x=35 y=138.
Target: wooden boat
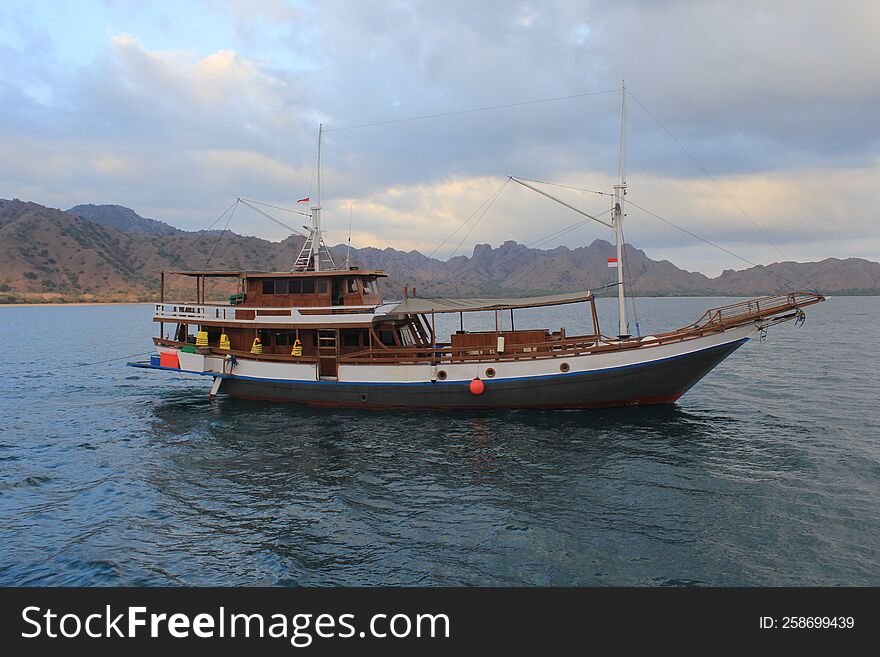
x=322 y=335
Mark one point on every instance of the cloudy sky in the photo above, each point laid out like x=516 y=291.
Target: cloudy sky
x=175 y=108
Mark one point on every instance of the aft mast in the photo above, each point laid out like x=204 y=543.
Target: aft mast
x=314 y=255
x=619 y=193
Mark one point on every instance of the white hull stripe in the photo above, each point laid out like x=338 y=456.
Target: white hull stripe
x=558 y=375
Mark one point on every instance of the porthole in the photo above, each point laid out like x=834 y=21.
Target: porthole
x=363 y=397
x=441 y=375
x=490 y=373
x=564 y=367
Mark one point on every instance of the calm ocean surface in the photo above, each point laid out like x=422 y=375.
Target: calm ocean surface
x=766 y=473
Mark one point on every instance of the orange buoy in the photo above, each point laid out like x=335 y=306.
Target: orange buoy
x=477 y=386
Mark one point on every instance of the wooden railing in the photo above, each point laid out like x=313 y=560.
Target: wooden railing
x=746 y=311
x=444 y=352
x=715 y=320
x=205 y=313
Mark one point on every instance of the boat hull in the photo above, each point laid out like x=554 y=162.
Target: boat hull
x=653 y=382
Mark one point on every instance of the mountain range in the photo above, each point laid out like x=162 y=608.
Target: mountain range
x=110 y=253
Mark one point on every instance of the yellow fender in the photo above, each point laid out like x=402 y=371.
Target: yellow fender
x=224 y=342
x=297 y=349
x=257 y=347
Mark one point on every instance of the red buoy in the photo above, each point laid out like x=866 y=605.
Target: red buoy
x=477 y=387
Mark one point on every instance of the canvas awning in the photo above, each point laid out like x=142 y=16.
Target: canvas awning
x=423 y=306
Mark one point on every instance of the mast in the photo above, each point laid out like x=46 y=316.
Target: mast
x=316 y=207
x=315 y=256
x=619 y=193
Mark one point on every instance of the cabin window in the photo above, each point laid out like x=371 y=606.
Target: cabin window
x=352 y=286
x=269 y=287
x=387 y=338
x=368 y=286
x=351 y=339
x=322 y=286
x=308 y=286
x=265 y=337
x=281 y=286
x=294 y=286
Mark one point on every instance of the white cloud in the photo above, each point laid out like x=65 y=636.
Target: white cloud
x=778 y=101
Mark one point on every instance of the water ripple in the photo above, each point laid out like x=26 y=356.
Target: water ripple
x=765 y=473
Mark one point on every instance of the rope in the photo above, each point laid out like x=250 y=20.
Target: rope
x=470 y=110
x=97 y=362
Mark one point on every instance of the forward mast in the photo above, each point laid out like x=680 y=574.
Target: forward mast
x=314 y=255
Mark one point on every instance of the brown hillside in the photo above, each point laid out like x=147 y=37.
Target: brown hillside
x=50 y=255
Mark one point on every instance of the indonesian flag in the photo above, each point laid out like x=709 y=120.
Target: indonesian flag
x=612 y=262
x=303 y=200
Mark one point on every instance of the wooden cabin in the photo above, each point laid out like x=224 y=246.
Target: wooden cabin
x=337 y=316
x=330 y=313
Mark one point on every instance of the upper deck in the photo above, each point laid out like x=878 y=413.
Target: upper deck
x=266 y=299
x=348 y=287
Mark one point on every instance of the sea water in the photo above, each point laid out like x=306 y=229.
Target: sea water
x=766 y=473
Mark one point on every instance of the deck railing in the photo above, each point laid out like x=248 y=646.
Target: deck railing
x=444 y=352
x=745 y=311
x=194 y=312
x=201 y=313
x=775 y=308
x=716 y=320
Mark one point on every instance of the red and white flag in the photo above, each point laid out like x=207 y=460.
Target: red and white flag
x=303 y=200
x=612 y=262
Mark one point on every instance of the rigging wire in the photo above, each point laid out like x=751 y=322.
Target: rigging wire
x=277 y=207
x=494 y=198
x=580 y=189
x=470 y=110
x=220 y=237
x=717 y=246
x=413 y=268
x=271 y=218
x=461 y=225
x=629 y=283
x=536 y=244
x=348 y=252
x=202 y=234
x=708 y=175
x=472 y=275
